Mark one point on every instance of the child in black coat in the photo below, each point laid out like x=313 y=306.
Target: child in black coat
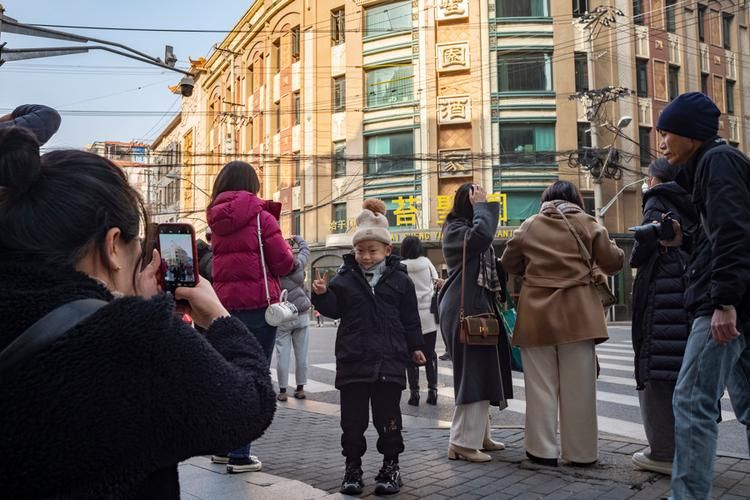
x=379 y=335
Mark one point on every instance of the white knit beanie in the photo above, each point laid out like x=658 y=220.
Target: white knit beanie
x=371 y=223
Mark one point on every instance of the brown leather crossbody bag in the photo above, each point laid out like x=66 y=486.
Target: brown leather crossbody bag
x=477 y=329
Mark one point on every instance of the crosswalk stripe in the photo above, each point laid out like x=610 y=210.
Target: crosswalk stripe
x=606 y=424
x=616 y=367
x=311 y=385
x=616 y=350
x=617 y=358
x=609 y=425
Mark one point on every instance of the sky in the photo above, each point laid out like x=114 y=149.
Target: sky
x=87 y=87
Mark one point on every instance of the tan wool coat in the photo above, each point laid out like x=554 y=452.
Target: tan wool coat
x=558 y=304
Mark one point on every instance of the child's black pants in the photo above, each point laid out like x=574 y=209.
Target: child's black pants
x=385 y=398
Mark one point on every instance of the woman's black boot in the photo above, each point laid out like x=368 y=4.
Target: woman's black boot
x=414 y=398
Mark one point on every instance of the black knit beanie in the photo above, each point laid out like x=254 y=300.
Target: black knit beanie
x=662 y=169
x=691 y=115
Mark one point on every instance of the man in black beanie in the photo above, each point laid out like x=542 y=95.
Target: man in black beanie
x=717 y=356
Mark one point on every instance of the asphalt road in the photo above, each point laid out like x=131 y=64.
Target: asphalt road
x=618 y=409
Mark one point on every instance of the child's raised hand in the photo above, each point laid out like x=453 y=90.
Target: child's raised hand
x=320 y=284
x=418 y=358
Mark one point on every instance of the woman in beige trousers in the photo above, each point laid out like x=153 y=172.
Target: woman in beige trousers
x=560 y=319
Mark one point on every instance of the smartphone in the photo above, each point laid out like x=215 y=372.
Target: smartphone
x=179 y=256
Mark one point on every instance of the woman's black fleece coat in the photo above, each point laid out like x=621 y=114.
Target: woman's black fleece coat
x=111 y=407
x=661 y=324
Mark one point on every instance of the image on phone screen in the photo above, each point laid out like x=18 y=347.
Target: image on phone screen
x=177 y=253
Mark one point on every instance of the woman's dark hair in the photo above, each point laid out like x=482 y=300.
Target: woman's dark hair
x=662 y=170
x=462 y=207
x=55 y=208
x=563 y=190
x=411 y=248
x=236 y=176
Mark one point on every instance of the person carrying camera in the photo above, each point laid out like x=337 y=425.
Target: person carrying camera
x=660 y=324
x=379 y=335
x=112 y=403
x=718 y=292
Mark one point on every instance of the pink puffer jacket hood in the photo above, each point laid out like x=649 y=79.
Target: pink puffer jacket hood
x=237 y=269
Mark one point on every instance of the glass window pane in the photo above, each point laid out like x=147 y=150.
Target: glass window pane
x=390 y=85
x=387 y=18
x=390 y=152
x=644 y=142
x=522 y=8
x=642 y=77
x=524 y=72
x=339 y=158
x=527 y=143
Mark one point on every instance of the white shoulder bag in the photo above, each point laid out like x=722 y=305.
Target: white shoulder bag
x=283 y=311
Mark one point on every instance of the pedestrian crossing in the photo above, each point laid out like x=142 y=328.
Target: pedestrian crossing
x=618 y=404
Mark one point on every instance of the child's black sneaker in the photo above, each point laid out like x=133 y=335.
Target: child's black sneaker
x=352 y=483
x=388 y=479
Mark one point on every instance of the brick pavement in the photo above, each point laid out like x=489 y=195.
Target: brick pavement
x=302 y=458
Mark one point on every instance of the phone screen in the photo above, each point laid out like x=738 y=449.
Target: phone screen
x=176 y=245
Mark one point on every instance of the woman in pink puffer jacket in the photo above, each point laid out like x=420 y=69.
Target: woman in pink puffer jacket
x=233 y=216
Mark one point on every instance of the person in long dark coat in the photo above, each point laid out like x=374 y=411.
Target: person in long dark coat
x=481 y=374
x=661 y=324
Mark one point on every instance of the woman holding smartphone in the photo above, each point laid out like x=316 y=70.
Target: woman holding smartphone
x=245 y=281
x=115 y=402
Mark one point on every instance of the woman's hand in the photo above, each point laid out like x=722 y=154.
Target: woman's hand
x=146 y=284
x=418 y=358
x=438 y=283
x=205 y=306
x=477 y=195
x=320 y=285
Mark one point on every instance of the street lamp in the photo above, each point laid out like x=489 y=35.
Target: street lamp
x=611 y=202
x=598 y=194
x=10 y=25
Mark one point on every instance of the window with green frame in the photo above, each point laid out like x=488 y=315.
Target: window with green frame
x=388 y=18
x=389 y=153
x=339 y=159
x=522 y=8
x=390 y=85
x=338 y=218
x=527 y=144
x=522 y=205
x=524 y=72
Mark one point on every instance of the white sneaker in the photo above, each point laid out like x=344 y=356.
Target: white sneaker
x=642 y=461
x=249 y=464
x=219 y=459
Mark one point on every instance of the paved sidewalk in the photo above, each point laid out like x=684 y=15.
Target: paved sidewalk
x=302 y=459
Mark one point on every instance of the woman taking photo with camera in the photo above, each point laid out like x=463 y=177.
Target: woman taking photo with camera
x=110 y=405
x=560 y=319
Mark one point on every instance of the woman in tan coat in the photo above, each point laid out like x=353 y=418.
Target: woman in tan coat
x=560 y=319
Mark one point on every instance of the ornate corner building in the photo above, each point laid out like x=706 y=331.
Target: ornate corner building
x=334 y=101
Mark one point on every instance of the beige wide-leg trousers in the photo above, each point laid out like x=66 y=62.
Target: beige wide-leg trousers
x=561 y=378
x=470 y=425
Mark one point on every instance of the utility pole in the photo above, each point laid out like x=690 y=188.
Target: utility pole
x=600 y=163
